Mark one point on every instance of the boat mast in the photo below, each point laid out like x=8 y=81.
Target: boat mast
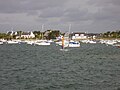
x=42 y=30
x=69 y=30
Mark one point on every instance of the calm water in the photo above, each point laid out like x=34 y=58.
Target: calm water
x=90 y=67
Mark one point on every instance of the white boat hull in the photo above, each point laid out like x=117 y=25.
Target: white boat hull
x=42 y=43
x=74 y=45
x=12 y=42
x=1 y=43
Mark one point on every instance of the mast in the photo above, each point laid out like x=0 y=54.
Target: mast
x=42 y=30
x=69 y=30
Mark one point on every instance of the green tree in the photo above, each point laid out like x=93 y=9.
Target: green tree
x=53 y=34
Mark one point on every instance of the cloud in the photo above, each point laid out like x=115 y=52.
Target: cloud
x=52 y=13
x=76 y=15
x=23 y=6
x=84 y=15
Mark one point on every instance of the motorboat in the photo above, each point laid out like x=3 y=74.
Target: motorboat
x=12 y=42
x=42 y=42
x=1 y=42
x=74 y=44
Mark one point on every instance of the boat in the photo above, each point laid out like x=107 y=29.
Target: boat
x=92 y=42
x=73 y=44
x=30 y=42
x=42 y=42
x=67 y=42
x=1 y=42
x=110 y=42
x=117 y=45
x=12 y=42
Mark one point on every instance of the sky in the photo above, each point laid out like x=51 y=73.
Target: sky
x=83 y=15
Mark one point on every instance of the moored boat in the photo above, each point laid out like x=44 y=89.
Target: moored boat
x=12 y=42
x=74 y=44
x=42 y=42
x=1 y=42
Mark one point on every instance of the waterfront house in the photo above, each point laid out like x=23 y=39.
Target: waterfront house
x=92 y=35
x=78 y=36
x=10 y=33
x=27 y=35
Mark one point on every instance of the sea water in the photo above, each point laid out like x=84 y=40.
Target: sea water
x=90 y=67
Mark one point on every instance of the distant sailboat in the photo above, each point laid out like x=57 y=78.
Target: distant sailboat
x=67 y=42
x=1 y=42
x=42 y=41
x=72 y=43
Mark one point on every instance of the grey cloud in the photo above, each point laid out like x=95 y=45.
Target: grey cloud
x=108 y=13
x=52 y=12
x=24 y=6
x=106 y=10
x=104 y=3
x=75 y=14
x=92 y=15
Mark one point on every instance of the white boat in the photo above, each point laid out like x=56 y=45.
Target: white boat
x=74 y=44
x=30 y=42
x=92 y=42
x=50 y=41
x=1 y=42
x=42 y=43
x=68 y=42
x=111 y=42
x=117 y=45
x=12 y=42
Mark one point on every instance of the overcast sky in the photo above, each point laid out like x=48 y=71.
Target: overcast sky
x=83 y=15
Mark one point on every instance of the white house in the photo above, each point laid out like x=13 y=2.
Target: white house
x=10 y=33
x=77 y=36
x=28 y=35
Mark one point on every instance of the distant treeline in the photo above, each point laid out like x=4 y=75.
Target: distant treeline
x=111 y=34
x=48 y=34
x=3 y=36
x=52 y=34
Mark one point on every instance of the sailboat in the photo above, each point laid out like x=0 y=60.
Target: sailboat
x=68 y=43
x=1 y=42
x=42 y=42
x=73 y=43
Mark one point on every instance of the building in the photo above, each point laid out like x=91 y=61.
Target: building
x=78 y=36
x=93 y=35
x=10 y=33
x=26 y=35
